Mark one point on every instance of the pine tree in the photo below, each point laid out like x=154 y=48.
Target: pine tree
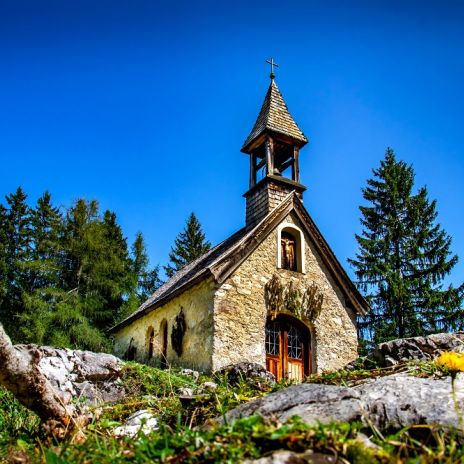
x=403 y=256
x=80 y=219
x=47 y=248
x=98 y=262
x=147 y=280
x=17 y=235
x=188 y=246
x=44 y=272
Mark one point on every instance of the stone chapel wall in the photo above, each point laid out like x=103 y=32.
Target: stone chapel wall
x=240 y=310
x=197 y=305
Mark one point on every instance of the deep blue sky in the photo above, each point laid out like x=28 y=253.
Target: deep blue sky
x=144 y=105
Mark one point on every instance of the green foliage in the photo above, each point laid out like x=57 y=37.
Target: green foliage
x=66 y=278
x=17 y=236
x=97 y=261
x=147 y=281
x=47 y=229
x=19 y=427
x=142 y=379
x=189 y=245
x=403 y=257
x=246 y=438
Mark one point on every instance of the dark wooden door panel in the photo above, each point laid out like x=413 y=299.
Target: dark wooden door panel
x=274 y=366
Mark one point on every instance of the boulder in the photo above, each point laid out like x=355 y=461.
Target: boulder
x=312 y=402
x=247 y=371
x=390 y=403
x=422 y=348
x=400 y=400
x=88 y=377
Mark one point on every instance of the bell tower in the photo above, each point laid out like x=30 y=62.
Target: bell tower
x=273 y=145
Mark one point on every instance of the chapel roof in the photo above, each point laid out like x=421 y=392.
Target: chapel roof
x=275 y=117
x=223 y=259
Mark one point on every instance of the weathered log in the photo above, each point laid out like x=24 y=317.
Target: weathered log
x=20 y=374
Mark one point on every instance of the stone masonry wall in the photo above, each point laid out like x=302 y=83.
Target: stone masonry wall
x=240 y=311
x=197 y=304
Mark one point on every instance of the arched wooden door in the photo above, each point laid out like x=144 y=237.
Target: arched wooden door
x=288 y=353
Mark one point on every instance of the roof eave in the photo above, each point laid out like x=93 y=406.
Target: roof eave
x=163 y=300
x=256 y=141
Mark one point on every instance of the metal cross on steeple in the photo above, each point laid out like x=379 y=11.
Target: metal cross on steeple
x=272 y=63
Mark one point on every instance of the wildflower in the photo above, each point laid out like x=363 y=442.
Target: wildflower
x=454 y=362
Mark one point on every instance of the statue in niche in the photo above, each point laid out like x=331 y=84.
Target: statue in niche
x=288 y=252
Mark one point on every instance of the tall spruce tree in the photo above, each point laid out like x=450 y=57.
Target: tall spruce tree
x=98 y=263
x=45 y=273
x=146 y=280
x=189 y=245
x=17 y=234
x=47 y=247
x=403 y=257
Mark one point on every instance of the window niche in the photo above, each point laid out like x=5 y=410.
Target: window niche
x=151 y=342
x=290 y=248
x=164 y=343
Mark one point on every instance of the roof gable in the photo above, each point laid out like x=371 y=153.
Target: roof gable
x=227 y=264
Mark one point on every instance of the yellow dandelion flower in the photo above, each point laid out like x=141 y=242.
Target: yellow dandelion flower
x=454 y=362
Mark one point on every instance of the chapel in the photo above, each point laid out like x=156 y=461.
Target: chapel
x=273 y=293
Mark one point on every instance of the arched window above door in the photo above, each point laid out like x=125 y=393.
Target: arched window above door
x=290 y=248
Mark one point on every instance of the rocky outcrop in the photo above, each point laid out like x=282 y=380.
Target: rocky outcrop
x=389 y=403
x=397 y=401
x=83 y=376
x=422 y=348
x=246 y=371
x=312 y=402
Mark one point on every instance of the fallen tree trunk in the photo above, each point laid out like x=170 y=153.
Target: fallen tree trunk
x=20 y=374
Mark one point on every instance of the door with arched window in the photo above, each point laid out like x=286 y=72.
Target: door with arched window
x=288 y=353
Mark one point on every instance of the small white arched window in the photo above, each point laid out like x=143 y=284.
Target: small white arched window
x=290 y=248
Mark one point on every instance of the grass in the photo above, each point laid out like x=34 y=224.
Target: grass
x=182 y=437
x=19 y=427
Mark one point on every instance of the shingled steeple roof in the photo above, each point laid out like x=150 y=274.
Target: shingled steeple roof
x=275 y=117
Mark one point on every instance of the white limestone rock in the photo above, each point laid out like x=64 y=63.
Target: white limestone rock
x=141 y=421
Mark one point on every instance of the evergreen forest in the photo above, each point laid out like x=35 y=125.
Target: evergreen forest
x=67 y=275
